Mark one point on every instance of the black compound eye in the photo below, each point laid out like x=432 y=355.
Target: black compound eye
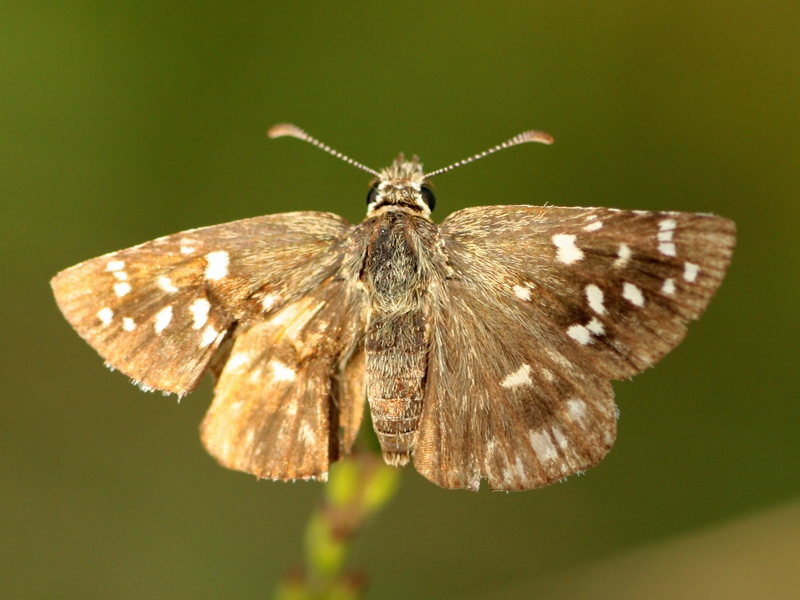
x=427 y=196
x=372 y=195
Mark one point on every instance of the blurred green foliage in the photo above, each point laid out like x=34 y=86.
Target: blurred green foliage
x=124 y=121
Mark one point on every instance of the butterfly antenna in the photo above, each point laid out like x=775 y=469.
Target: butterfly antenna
x=522 y=138
x=287 y=129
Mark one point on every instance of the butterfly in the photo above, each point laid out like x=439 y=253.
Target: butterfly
x=483 y=346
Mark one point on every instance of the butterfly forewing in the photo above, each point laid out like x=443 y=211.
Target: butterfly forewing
x=159 y=311
x=620 y=284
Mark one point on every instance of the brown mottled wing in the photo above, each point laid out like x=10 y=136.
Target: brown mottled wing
x=291 y=396
x=545 y=305
x=501 y=408
x=159 y=311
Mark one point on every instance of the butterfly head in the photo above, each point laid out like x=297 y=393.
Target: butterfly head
x=402 y=186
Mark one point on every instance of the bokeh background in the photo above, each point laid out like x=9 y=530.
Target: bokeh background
x=124 y=121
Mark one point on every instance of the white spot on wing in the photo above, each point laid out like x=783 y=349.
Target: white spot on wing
x=269 y=301
x=666 y=229
x=690 y=271
x=522 y=292
x=199 y=309
x=543 y=446
x=560 y=438
x=209 y=336
x=187 y=246
x=522 y=376
x=128 y=324
x=217 y=266
x=121 y=275
x=595 y=297
x=558 y=358
x=580 y=334
x=115 y=265
x=669 y=286
x=163 y=318
x=249 y=437
x=307 y=434
x=237 y=361
x=632 y=294
x=282 y=372
x=568 y=252
x=122 y=288
x=165 y=283
x=576 y=410
x=593 y=226
x=667 y=248
x=623 y=256
x=519 y=468
x=667 y=224
x=105 y=315
x=596 y=327
x=291 y=409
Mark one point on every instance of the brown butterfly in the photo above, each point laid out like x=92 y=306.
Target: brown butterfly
x=484 y=345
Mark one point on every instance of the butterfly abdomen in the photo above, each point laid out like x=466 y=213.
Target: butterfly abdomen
x=396 y=365
x=397 y=332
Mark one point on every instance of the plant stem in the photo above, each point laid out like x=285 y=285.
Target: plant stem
x=358 y=487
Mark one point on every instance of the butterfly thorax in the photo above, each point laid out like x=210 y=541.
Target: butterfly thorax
x=400 y=265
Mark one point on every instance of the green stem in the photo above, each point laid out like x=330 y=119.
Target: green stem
x=358 y=487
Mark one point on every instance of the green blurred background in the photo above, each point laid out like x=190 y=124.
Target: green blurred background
x=124 y=121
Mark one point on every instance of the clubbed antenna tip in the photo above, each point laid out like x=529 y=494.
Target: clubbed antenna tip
x=522 y=138
x=287 y=129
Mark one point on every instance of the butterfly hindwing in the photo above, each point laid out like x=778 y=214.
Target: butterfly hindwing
x=290 y=398
x=159 y=311
x=499 y=407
